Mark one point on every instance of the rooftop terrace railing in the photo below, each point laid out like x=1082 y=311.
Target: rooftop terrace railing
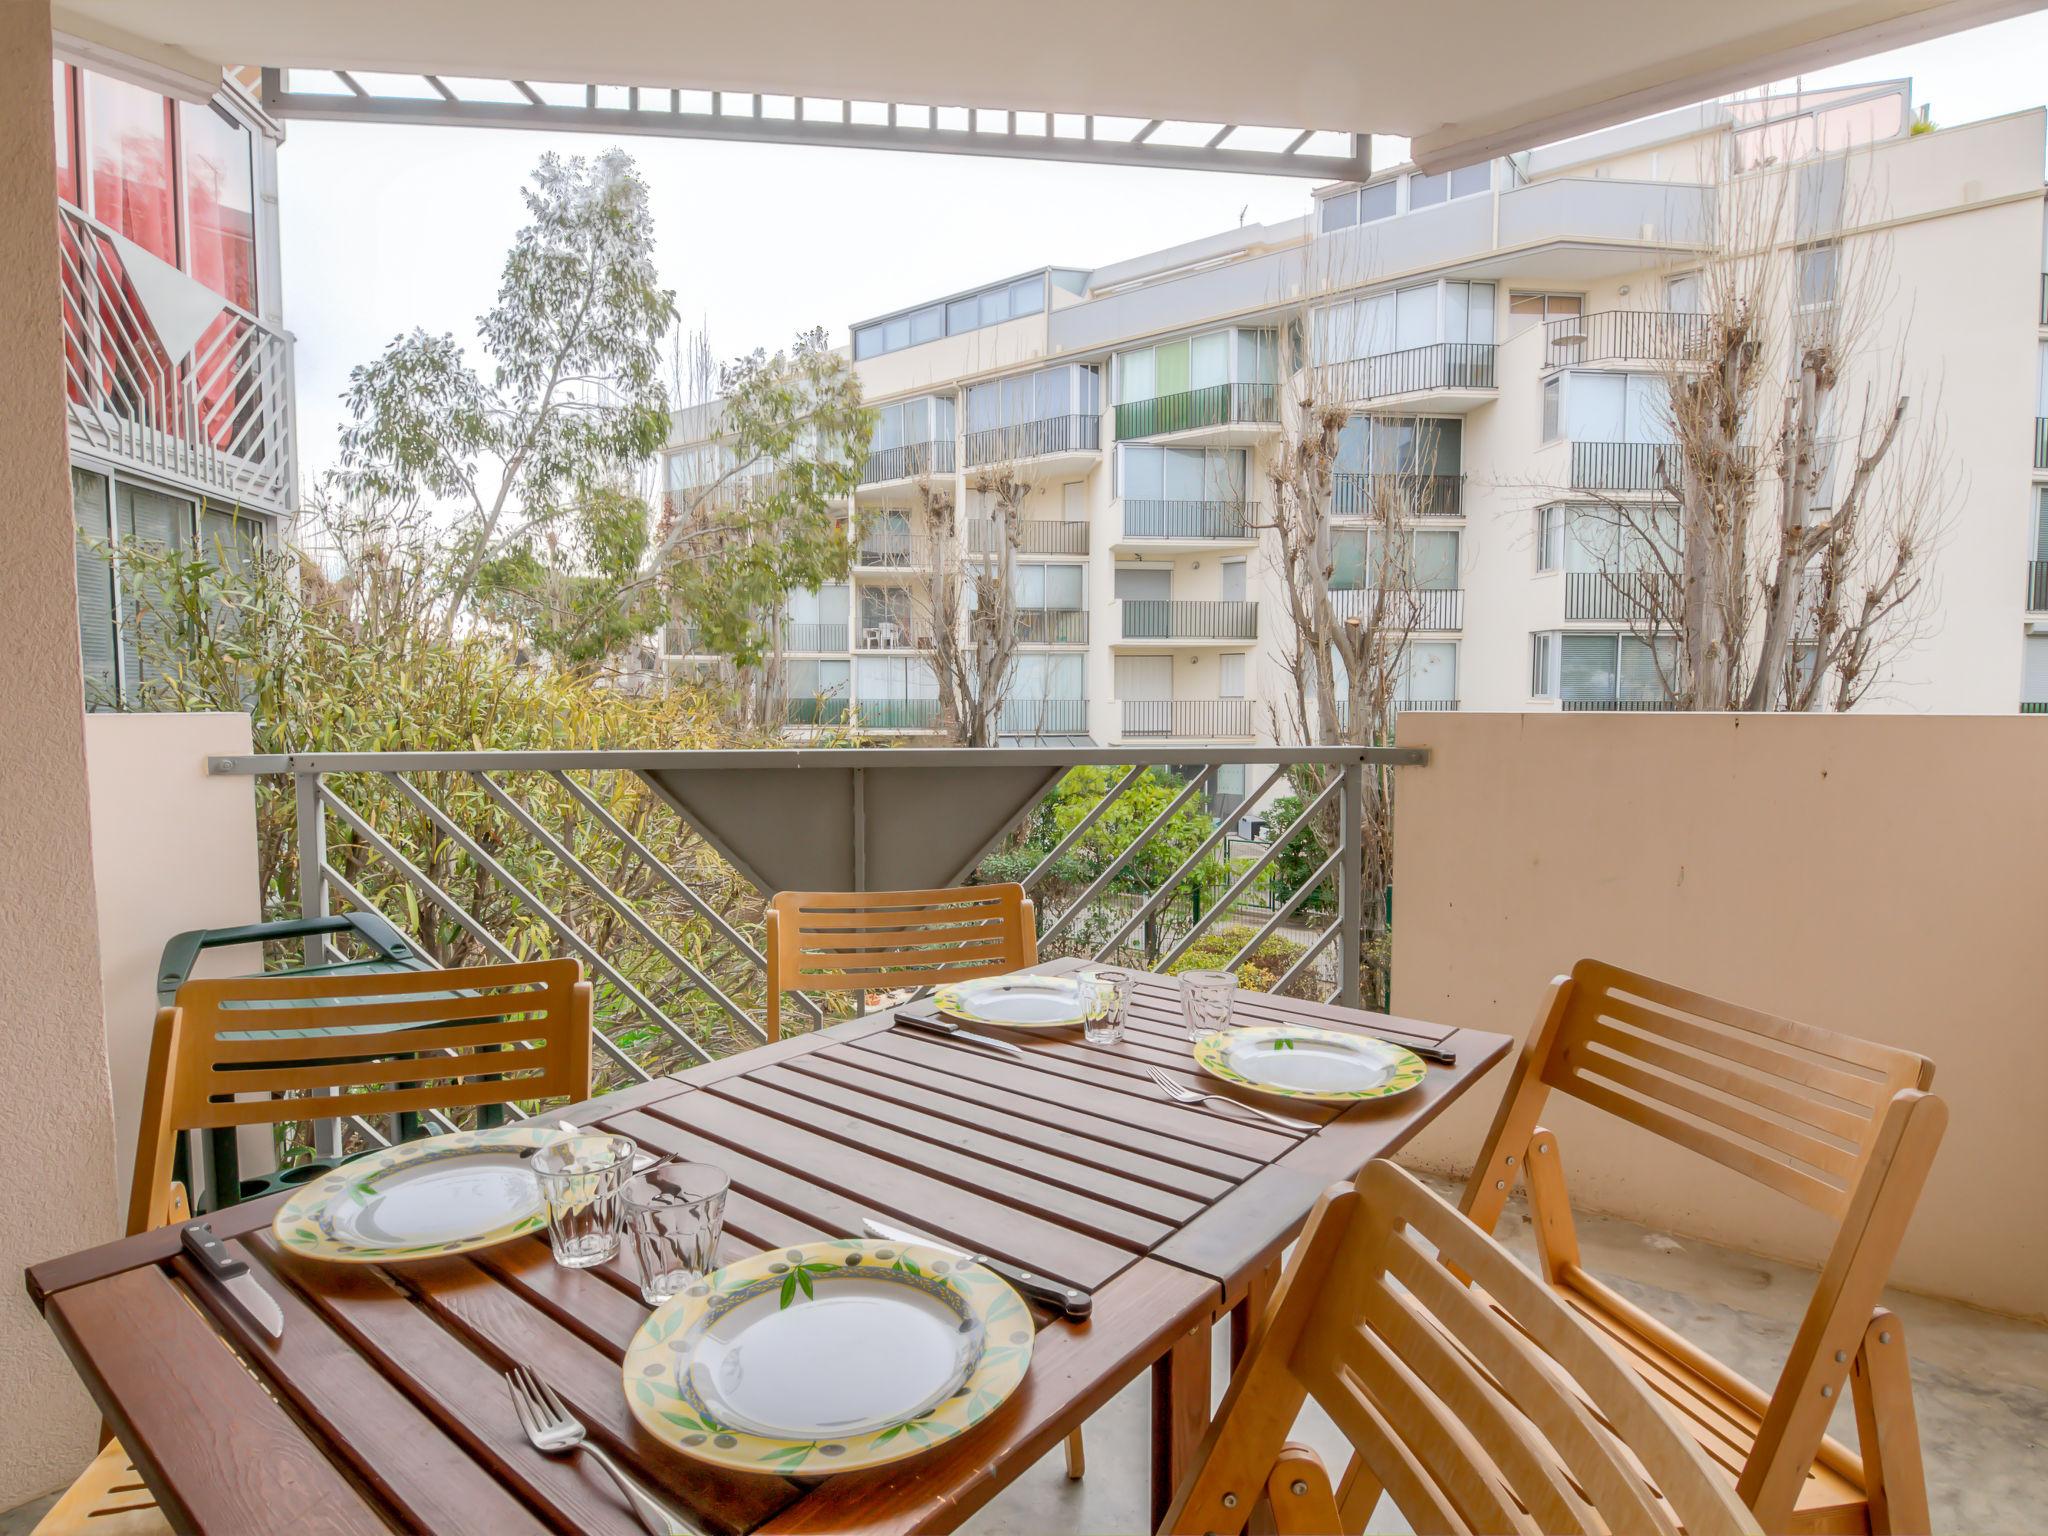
x=652 y=868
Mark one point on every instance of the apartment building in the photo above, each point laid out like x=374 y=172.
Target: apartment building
x=1500 y=334
x=178 y=370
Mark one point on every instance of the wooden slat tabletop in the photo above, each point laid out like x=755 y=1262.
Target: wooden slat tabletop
x=382 y=1404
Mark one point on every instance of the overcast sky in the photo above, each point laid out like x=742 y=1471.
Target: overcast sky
x=388 y=228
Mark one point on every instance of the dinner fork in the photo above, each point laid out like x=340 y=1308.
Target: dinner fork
x=1180 y=1093
x=555 y=1431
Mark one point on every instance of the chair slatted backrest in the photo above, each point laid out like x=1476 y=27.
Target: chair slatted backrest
x=387 y=1042
x=860 y=941
x=1483 y=1407
x=1792 y=1106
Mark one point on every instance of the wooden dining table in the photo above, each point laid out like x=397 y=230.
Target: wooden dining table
x=382 y=1406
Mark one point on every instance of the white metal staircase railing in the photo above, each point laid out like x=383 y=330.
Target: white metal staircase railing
x=215 y=419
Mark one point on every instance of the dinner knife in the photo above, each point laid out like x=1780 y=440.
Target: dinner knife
x=234 y=1278
x=1071 y=1303
x=951 y=1031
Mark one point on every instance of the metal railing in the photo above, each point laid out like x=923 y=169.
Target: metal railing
x=638 y=864
x=1443 y=365
x=1626 y=336
x=1213 y=405
x=2034 y=706
x=2041 y=442
x=1356 y=494
x=827 y=710
x=2044 y=298
x=813 y=637
x=1189 y=719
x=1620 y=596
x=1035 y=536
x=1623 y=466
x=908 y=460
x=1405 y=608
x=1034 y=439
x=1044 y=717
x=893 y=549
x=1163 y=618
x=1189 y=519
x=1052 y=626
x=896 y=714
x=2037 y=586
x=1614 y=706
x=217 y=418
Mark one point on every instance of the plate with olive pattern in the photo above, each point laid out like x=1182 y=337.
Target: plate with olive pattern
x=1298 y=1061
x=445 y=1194
x=1026 y=1001
x=828 y=1357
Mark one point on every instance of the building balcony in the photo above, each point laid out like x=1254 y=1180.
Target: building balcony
x=1216 y=413
x=1050 y=446
x=1614 y=706
x=907 y=462
x=1035 y=536
x=2041 y=442
x=2037 y=586
x=1044 y=717
x=1175 y=620
x=1445 y=378
x=1354 y=495
x=896 y=714
x=1623 y=466
x=1622 y=597
x=888 y=549
x=1624 y=336
x=209 y=412
x=1052 y=626
x=1429 y=610
x=1166 y=525
x=1189 y=719
x=2034 y=707
x=892 y=635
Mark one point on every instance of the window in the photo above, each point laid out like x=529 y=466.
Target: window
x=1401 y=445
x=1817 y=266
x=1149 y=473
x=1198 y=362
x=2034 y=673
x=991 y=306
x=1553 y=409
x=1429 y=672
x=1230 y=675
x=1550 y=538
x=1050 y=586
x=924 y=419
x=2041 y=522
x=1045 y=395
x=1365 y=205
x=96 y=640
x=1427 y=191
x=1431 y=560
x=1600 y=670
x=1683 y=295
x=1608 y=408
x=1543 y=665
x=128 y=131
x=1467 y=181
x=146 y=517
x=1143 y=583
x=927 y=324
x=1042 y=677
x=61 y=81
x=806 y=678
x=220 y=202
x=1416 y=316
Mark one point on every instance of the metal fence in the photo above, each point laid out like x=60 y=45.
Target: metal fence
x=651 y=868
x=1189 y=719
x=1144 y=519
x=1354 y=494
x=1422 y=608
x=1623 y=466
x=1169 y=618
x=2037 y=586
x=908 y=460
x=1443 y=365
x=1629 y=597
x=813 y=637
x=1052 y=626
x=1034 y=439
x=2041 y=442
x=1035 y=536
x=1624 y=335
x=1213 y=405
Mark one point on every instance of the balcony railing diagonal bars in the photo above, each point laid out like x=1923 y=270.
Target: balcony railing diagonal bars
x=651 y=868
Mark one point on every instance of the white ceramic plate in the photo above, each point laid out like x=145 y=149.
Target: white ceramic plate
x=1015 y=1002
x=447 y=1194
x=1297 y=1061
x=828 y=1357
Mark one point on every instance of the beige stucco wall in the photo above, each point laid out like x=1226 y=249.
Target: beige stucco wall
x=58 y=1140
x=1875 y=874
x=172 y=849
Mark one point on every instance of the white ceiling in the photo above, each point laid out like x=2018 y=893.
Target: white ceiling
x=1463 y=78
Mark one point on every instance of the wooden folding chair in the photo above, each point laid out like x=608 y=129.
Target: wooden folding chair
x=1835 y=1123
x=227 y=1050
x=1481 y=1407
x=873 y=941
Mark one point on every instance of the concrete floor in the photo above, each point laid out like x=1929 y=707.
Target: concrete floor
x=1980 y=1384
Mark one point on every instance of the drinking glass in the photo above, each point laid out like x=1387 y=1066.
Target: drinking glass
x=1206 y=998
x=582 y=1174
x=1107 y=995
x=676 y=1216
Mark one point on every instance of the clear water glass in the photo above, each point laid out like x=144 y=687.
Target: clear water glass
x=1106 y=996
x=676 y=1216
x=582 y=1176
x=1206 y=1000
